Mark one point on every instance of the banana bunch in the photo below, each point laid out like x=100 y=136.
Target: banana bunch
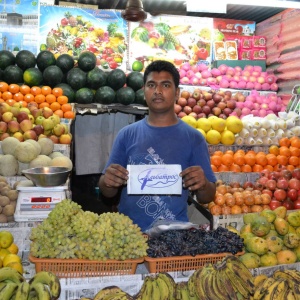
x=159 y=287
x=43 y=286
x=182 y=292
x=226 y=280
x=283 y=285
x=112 y=293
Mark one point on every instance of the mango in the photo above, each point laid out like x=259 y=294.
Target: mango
x=281 y=226
x=268 y=259
x=256 y=245
x=274 y=243
x=260 y=226
x=297 y=252
x=245 y=228
x=291 y=240
x=249 y=217
x=250 y=260
x=294 y=218
x=286 y=257
x=269 y=215
x=280 y=211
x=272 y=232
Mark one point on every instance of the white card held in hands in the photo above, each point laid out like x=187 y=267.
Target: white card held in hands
x=154 y=179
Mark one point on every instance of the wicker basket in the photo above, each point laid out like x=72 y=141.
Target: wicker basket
x=182 y=263
x=70 y=268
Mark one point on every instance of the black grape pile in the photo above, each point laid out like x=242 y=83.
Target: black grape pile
x=194 y=242
x=70 y=232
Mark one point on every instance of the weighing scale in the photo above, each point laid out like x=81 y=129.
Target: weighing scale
x=35 y=203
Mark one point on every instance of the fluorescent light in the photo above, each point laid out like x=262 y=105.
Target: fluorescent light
x=209 y=6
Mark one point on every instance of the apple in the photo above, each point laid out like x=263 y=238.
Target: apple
x=274 y=204
x=55 y=118
x=22 y=115
x=4 y=135
x=202 y=54
x=41 y=136
x=25 y=109
x=3 y=127
x=30 y=135
x=18 y=135
x=32 y=105
x=196 y=94
x=54 y=138
x=26 y=125
x=65 y=138
x=13 y=126
x=7 y=116
x=48 y=124
x=4 y=107
x=58 y=129
x=47 y=112
x=15 y=110
x=39 y=120
x=39 y=129
x=185 y=94
x=36 y=112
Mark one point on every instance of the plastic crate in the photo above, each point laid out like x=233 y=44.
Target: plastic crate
x=182 y=263
x=70 y=268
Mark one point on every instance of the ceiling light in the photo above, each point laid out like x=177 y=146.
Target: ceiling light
x=134 y=11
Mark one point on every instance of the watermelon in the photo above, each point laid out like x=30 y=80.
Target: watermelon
x=96 y=78
x=116 y=79
x=135 y=80
x=76 y=78
x=52 y=76
x=87 y=61
x=84 y=96
x=13 y=74
x=65 y=62
x=104 y=95
x=125 y=95
x=25 y=59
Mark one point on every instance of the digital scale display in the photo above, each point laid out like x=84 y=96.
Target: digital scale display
x=41 y=199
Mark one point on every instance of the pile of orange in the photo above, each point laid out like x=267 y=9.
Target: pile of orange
x=287 y=154
x=44 y=96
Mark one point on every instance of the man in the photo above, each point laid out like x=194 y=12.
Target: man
x=159 y=138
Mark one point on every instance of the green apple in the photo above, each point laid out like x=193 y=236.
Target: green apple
x=39 y=120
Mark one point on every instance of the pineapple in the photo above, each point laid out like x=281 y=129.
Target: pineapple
x=72 y=20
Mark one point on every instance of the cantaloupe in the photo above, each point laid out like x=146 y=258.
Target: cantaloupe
x=22 y=166
x=36 y=145
x=62 y=161
x=8 y=165
x=9 y=145
x=40 y=161
x=47 y=146
x=55 y=154
x=25 y=152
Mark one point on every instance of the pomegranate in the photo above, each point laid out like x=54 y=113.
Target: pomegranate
x=297 y=204
x=289 y=204
x=271 y=184
x=280 y=194
x=294 y=183
x=274 y=204
x=296 y=173
x=292 y=194
x=282 y=183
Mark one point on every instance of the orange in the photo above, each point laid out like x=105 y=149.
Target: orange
x=44 y=104
x=13 y=248
x=66 y=107
x=294 y=160
x=214 y=168
x=28 y=98
x=59 y=112
x=11 y=102
x=216 y=160
x=295 y=141
x=282 y=160
x=240 y=151
x=274 y=149
x=1 y=100
x=57 y=91
x=257 y=168
x=18 y=96
x=218 y=152
x=40 y=98
x=229 y=152
x=13 y=88
x=239 y=159
x=227 y=159
x=23 y=103
x=235 y=168
x=284 y=150
x=261 y=159
x=7 y=95
x=250 y=158
x=69 y=115
x=269 y=167
x=35 y=90
x=290 y=167
x=50 y=98
x=62 y=99
x=55 y=106
x=24 y=89
x=295 y=151
x=272 y=159
x=246 y=168
x=46 y=90
x=284 y=141
x=3 y=86
x=223 y=168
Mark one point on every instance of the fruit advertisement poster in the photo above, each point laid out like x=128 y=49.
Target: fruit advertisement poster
x=172 y=38
x=19 y=25
x=74 y=30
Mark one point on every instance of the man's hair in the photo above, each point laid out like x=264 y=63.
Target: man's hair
x=162 y=65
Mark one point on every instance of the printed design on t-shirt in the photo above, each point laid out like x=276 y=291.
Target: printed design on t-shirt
x=153 y=205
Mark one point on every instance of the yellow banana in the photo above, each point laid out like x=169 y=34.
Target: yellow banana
x=23 y=291
x=237 y=283
x=7 y=292
x=261 y=290
x=276 y=290
x=49 y=279
x=224 y=282
x=41 y=290
x=10 y=274
x=107 y=291
x=147 y=294
x=191 y=283
x=199 y=284
x=163 y=288
x=258 y=279
x=179 y=29
x=170 y=283
x=155 y=289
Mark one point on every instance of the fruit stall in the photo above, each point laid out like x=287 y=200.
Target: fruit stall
x=66 y=95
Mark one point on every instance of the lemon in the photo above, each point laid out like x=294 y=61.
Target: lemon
x=6 y=239
x=204 y=124
x=213 y=137
x=17 y=266
x=190 y=120
x=137 y=66
x=234 y=124
x=11 y=258
x=3 y=253
x=13 y=248
x=227 y=137
x=202 y=131
x=211 y=118
x=218 y=124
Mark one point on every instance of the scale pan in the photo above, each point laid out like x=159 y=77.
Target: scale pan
x=47 y=176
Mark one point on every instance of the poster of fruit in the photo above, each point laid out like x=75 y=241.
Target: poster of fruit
x=19 y=25
x=73 y=30
x=173 y=38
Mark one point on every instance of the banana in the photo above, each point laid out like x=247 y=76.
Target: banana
x=41 y=290
x=138 y=296
x=10 y=274
x=292 y=278
x=116 y=296
x=223 y=282
x=294 y=273
x=207 y=283
x=182 y=291
x=289 y=295
x=155 y=289
x=191 y=283
x=199 y=287
x=49 y=279
x=276 y=290
x=170 y=283
x=179 y=29
x=107 y=291
x=147 y=294
x=237 y=283
x=258 y=279
x=241 y=271
x=261 y=290
x=23 y=291
x=163 y=288
x=8 y=291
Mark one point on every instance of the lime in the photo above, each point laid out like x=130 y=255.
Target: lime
x=43 y=47
x=137 y=66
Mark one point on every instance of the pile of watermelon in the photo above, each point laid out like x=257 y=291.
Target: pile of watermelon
x=82 y=81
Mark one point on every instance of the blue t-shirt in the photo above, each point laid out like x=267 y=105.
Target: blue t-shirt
x=141 y=143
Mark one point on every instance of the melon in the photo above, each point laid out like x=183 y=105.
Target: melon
x=47 y=146
x=40 y=161
x=37 y=146
x=25 y=152
x=8 y=165
x=62 y=161
x=9 y=145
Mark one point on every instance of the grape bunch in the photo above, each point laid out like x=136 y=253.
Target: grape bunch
x=194 y=242
x=70 y=232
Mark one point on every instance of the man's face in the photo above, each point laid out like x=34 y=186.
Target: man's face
x=160 y=91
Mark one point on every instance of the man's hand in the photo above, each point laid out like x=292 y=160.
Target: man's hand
x=115 y=176
x=193 y=178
